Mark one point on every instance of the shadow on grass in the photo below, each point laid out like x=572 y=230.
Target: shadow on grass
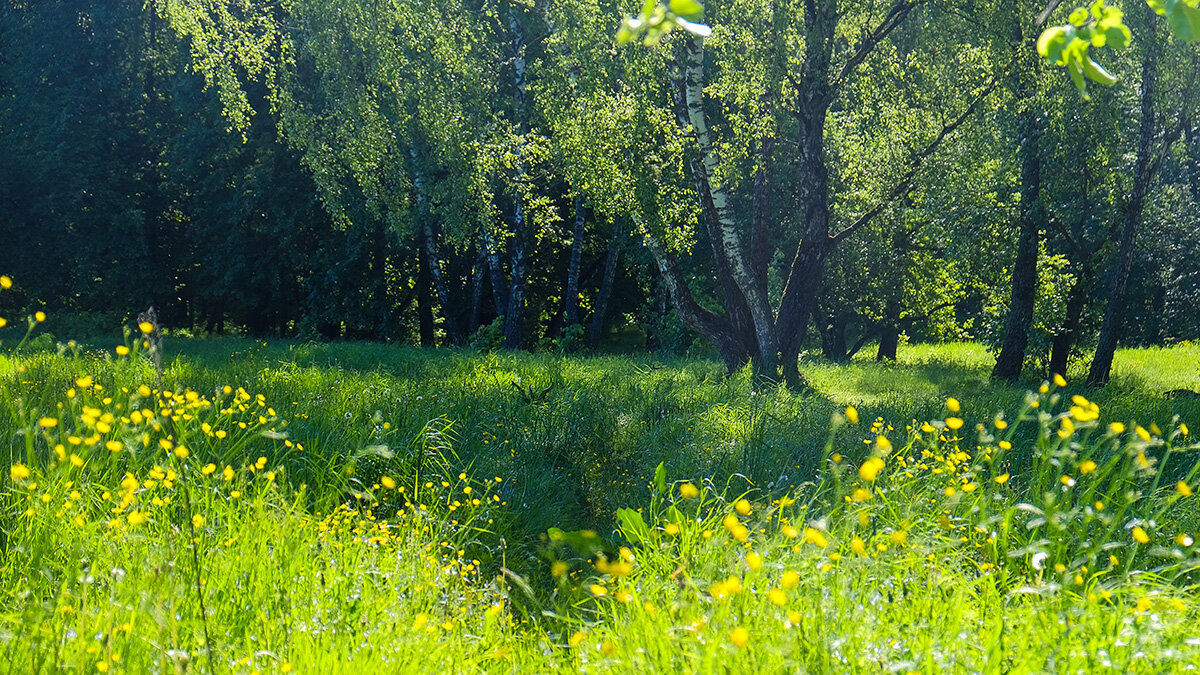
x=575 y=438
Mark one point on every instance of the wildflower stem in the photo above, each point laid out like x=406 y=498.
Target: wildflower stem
x=191 y=525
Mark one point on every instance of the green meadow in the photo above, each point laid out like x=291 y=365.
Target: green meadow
x=296 y=507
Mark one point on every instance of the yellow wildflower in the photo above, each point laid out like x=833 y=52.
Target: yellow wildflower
x=870 y=469
x=739 y=637
x=815 y=536
x=777 y=597
x=789 y=579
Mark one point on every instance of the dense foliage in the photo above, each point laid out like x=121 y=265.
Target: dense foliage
x=500 y=173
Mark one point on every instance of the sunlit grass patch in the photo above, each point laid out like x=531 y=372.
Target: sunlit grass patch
x=279 y=507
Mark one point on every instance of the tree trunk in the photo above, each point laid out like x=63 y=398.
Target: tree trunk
x=889 y=332
x=861 y=342
x=833 y=338
x=1144 y=169
x=1193 y=158
x=379 y=285
x=889 y=341
x=432 y=260
x=719 y=213
x=571 y=306
x=733 y=301
x=1064 y=340
x=514 y=316
x=810 y=109
x=713 y=327
x=760 y=238
x=606 y=285
x=496 y=268
x=1011 y=358
x=804 y=277
x=477 y=273
x=424 y=303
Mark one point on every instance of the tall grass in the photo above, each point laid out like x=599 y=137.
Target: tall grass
x=284 y=507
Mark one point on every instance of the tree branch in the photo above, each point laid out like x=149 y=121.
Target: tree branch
x=895 y=16
x=1044 y=15
x=915 y=164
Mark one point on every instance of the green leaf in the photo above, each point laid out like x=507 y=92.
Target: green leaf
x=674 y=515
x=1116 y=35
x=1096 y=73
x=689 y=9
x=1077 y=77
x=660 y=477
x=1181 y=16
x=632 y=526
x=1051 y=41
x=1193 y=16
x=1078 y=17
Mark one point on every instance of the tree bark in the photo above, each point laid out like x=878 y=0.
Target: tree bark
x=1011 y=358
x=1064 y=340
x=760 y=237
x=810 y=109
x=713 y=327
x=595 y=332
x=379 y=303
x=1193 y=158
x=432 y=260
x=514 y=317
x=889 y=334
x=861 y=342
x=571 y=299
x=889 y=342
x=424 y=303
x=720 y=216
x=477 y=272
x=1145 y=166
x=496 y=268
x=733 y=301
x=833 y=338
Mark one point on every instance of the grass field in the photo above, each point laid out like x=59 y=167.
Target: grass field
x=286 y=507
